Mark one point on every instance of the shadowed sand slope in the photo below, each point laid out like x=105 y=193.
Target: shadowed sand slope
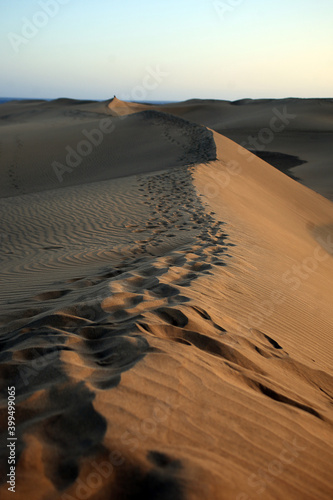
x=66 y=143
x=168 y=333
x=288 y=133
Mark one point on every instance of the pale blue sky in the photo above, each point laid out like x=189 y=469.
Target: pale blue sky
x=227 y=49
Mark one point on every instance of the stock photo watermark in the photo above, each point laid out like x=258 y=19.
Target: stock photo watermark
x=222 y=8
x=294 y=277
x=223 y=178
x=93 y=138
x=265 y=476
x=11 y=439
x=151 y=81
x=278 y=122
x=31 y=27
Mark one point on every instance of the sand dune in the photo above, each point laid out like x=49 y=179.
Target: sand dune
x=166 y=316
x=79 y=143
x=285 y=132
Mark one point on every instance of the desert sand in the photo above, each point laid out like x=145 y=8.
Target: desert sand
x=166 y=308
x=294 y=135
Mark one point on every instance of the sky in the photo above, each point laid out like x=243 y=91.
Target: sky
x=166 y=49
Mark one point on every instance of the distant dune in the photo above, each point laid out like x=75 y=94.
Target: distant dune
x=166 y=315
x=300 y=127
x=293 y=135
x=67 y=142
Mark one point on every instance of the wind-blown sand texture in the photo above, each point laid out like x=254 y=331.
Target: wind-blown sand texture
x=166 y=308
x=284 y=132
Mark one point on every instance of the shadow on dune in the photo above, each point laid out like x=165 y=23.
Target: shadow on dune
x=106 y=331
x=78 y=152
x=281 y=161
x=160 y=482
x=57 y=415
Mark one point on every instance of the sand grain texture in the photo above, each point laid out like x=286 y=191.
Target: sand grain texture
x=166 y=313
x=294 y=135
